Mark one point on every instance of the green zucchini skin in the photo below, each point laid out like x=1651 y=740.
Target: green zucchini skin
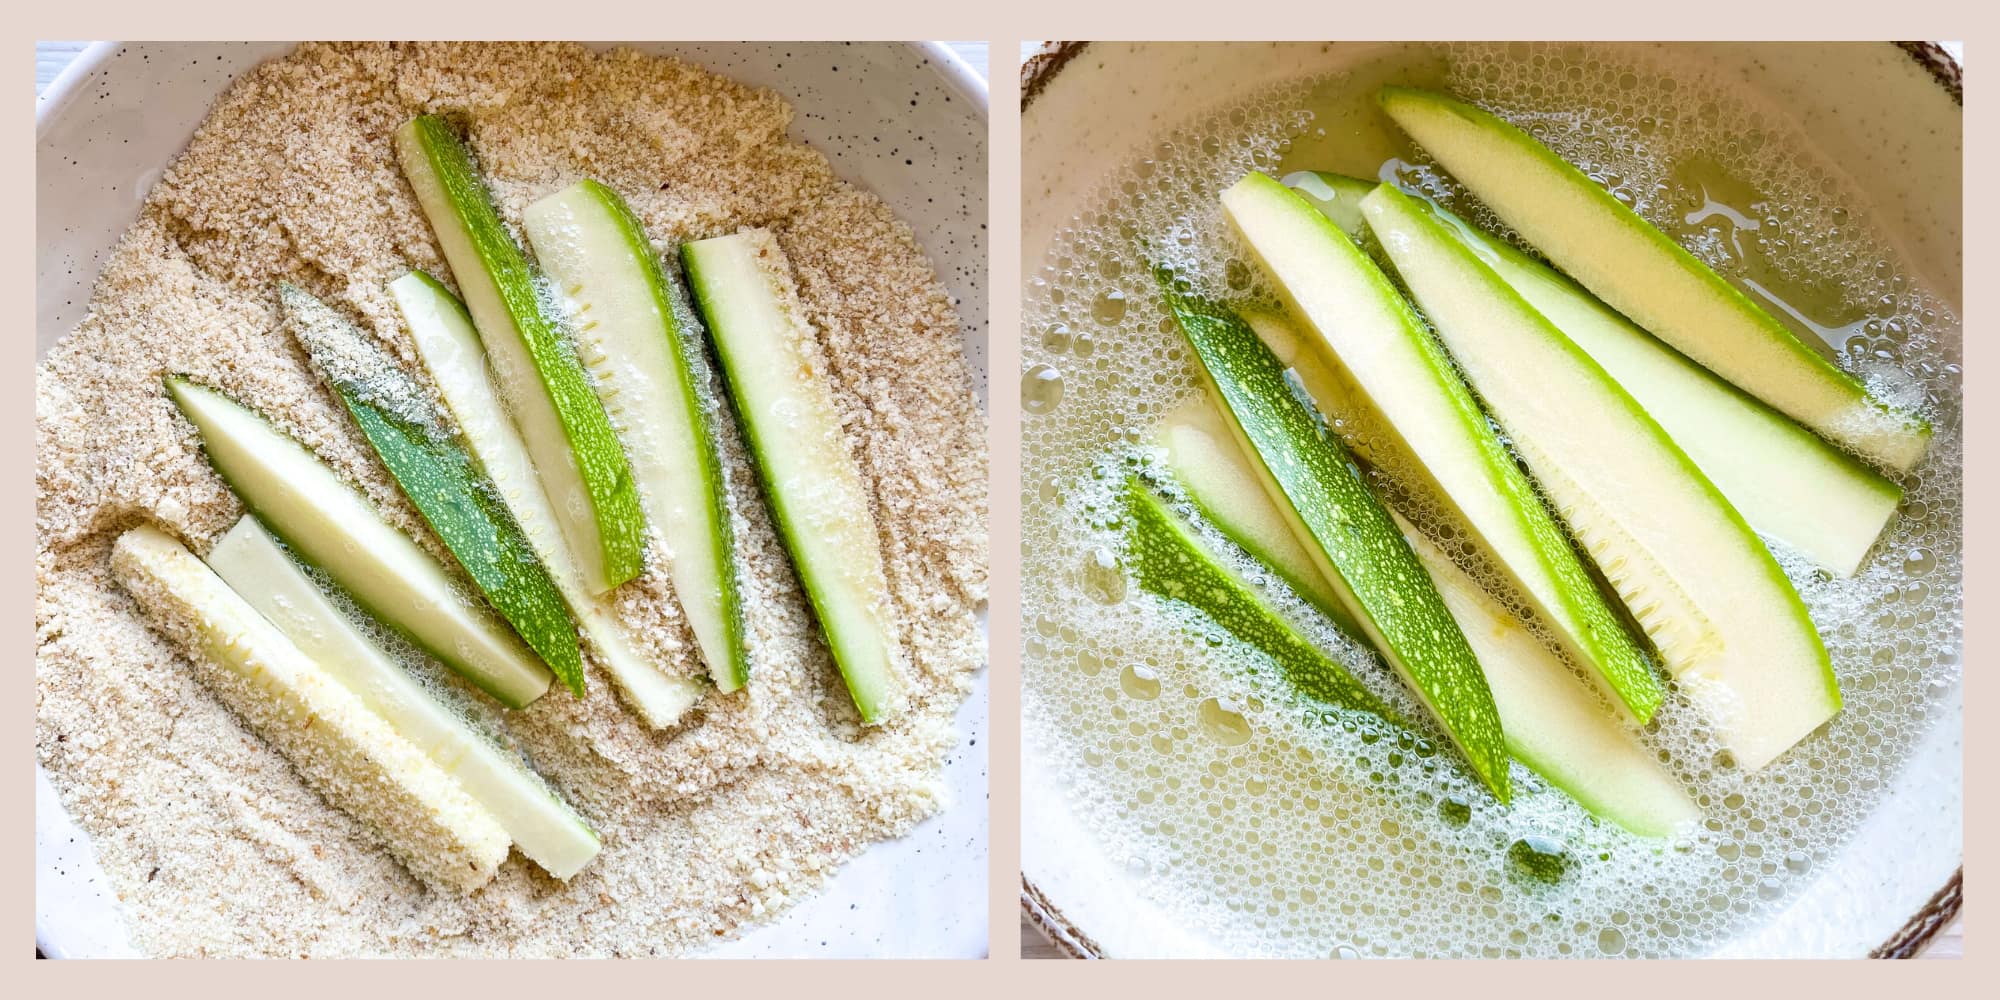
x=735 y=671
x=1556 y=723
x=593 y=445
x=458 y=505
x=440 y=478
x=1170 y=563
x=1360 y=548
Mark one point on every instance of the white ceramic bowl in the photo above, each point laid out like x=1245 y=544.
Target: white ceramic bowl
x=107 y=127
x=1092 y=108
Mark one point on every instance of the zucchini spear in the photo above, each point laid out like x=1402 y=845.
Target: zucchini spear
x=1641 y=272
x=1556 y=725
x=1789 y=483
x=743 y=285
x=1434 y=432
x=1170 y=563
x=1723 y=615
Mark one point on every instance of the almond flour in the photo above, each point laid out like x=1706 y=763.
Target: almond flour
x=212 y=842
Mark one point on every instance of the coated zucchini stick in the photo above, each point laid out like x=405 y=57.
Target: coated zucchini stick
x=346 y=753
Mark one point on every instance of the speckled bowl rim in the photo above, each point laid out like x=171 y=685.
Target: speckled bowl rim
x=1916 y=933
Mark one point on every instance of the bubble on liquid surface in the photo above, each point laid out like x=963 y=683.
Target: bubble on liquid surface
x=1103 y=575
x=1109 y=307
x=1041 y=388
x=1321 y=835
x=1611 y=941
x=1455 y=810
x=1224 y=723
x=1140 y=682
x=1057 y=338
x=1538 y=860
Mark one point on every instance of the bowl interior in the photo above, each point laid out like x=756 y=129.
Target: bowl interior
x=1869 y=107
x=117 y=118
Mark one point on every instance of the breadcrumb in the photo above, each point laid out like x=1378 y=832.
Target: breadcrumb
x=213 y=843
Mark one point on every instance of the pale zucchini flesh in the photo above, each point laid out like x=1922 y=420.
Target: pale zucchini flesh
x=1786 y=481
x=431 y=466
x=1789 y=483
x=1360 y=326
x=1557 y=725
x=629 y=335
x=1722 y=614
x=332 y=526
x=344 y=751
x=1169 y=562
x=1353 y=542
x=576 y=453
x=450 y=350
x=546 y=829
x=1641 y=272
x=779 y=386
